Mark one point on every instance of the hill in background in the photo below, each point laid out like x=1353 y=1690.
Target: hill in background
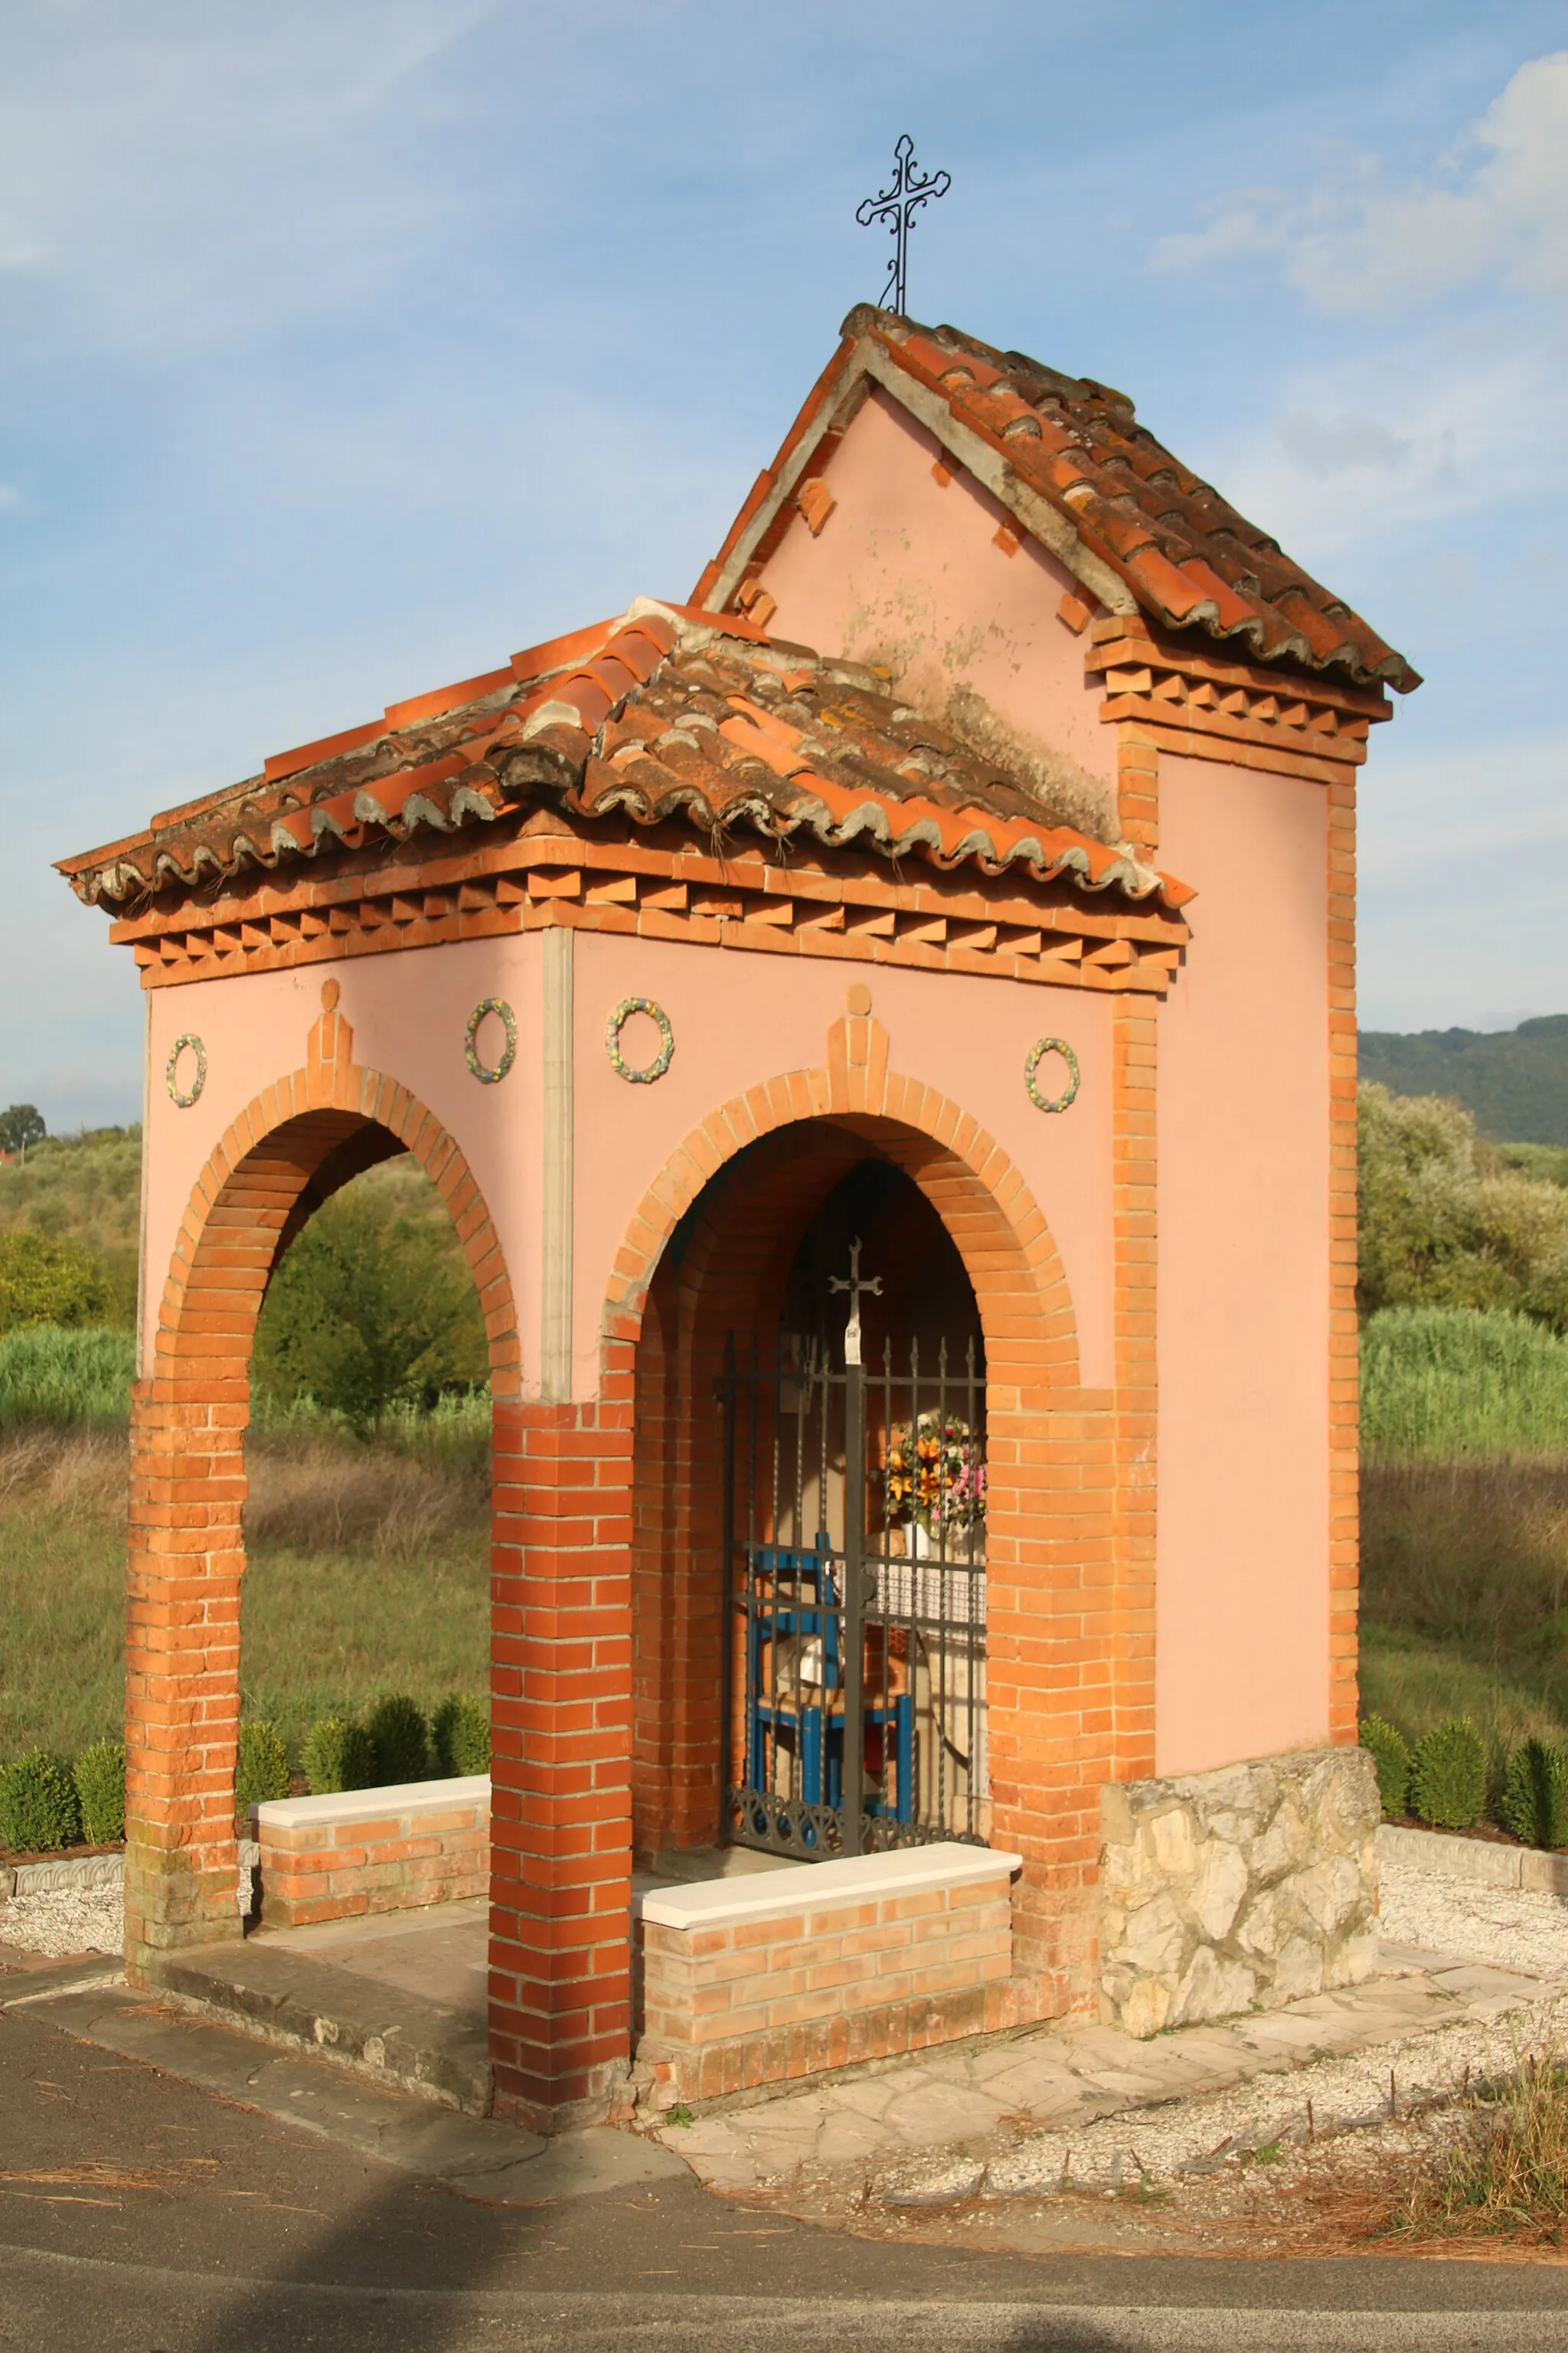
x=1514 y=1081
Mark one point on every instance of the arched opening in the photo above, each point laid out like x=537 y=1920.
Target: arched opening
x=810 y=1531
x=287 y=1152
x=364 y=1607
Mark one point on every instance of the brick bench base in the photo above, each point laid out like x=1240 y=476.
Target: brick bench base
x=363 y=1851
x=762 y=1980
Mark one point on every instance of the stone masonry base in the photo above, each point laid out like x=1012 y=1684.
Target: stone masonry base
x=1240 y=1889
x=1234 y=1891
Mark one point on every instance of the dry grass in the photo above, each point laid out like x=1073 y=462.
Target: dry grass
x=1465 y=1595
x=1504 y=2172
x=368 y=1571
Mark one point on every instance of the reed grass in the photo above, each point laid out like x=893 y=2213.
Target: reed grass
x=1455 y=1384
x=54 y=1377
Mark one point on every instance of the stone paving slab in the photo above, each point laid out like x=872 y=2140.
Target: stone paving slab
x=975 y=2103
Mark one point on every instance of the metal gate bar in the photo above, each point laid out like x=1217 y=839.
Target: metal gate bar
x=854 y=1686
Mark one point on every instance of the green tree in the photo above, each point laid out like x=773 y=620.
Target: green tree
x=21 y=1125
x=45 y=1281
x=361 y=1316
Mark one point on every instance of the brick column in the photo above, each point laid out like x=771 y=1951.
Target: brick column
x=561 y=1787
x=182 y=1667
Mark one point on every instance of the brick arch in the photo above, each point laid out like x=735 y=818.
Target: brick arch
x=285 y=1152
x=997 y=1227
x=1060 y=1659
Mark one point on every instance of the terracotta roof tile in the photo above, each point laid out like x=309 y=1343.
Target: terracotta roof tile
x=1188 y=557
x=664 y=715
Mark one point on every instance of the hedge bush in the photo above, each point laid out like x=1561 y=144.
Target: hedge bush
x=38 y=1804
x=1448 y=1776
x=262 y=1770
x=338 y=1756
x=1391 y=1755
x=460 y=1735
x=1535 y=1794
x=400 y=1738
x=100 y=1777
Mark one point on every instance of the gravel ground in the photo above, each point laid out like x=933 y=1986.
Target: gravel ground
x=1507 y=1927
x=1186 y=2139
x=63 y=1921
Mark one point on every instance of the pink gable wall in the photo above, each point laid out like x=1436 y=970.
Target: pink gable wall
x=1243 y=1600
x=909 y=573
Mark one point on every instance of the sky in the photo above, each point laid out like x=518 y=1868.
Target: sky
x=345 y=349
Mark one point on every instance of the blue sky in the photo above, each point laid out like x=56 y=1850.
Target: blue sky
x=345 y=348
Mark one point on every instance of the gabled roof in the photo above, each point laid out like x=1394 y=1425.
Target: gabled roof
x=662 y=714
x=1070 y=460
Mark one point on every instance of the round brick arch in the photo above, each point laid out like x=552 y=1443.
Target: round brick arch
x=1052 y=1532
x=286 y=1152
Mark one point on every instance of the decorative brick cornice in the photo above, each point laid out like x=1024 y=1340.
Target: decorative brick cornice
x=1186 y=700
x=548 y=874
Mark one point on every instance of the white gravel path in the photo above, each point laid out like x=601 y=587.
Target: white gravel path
x=1505 y=1926
x=62 y=1921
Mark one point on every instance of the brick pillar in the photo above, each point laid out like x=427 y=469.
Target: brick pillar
x=182 y=1668
x=561 y=1785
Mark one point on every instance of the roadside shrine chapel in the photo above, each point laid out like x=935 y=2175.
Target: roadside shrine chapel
x=885 y=1032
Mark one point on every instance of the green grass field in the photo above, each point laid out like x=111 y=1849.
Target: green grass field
x=368 y=1572
x=368 y=1561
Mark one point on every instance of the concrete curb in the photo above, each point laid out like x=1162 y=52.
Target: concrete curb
x=76 y=1872
x=1482 y=1862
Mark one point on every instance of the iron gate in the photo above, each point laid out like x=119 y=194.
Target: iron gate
x=854 y=1649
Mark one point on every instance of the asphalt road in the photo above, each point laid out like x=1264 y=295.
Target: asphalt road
x=141 y=2214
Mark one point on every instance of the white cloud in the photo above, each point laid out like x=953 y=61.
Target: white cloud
x=1496 y=204
x=10 y=496
x=1463 y=859
x=1451 y=422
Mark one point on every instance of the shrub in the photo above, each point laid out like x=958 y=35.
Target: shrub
x=1535 y=1794
x=401 y=1739
x=1391 y=1755
x=38 y=1807
x=100 y=1777
x=1448 y=1776
x=337 y=1756
x=461 y=1734
x=45 y=1281
x=262 y=1771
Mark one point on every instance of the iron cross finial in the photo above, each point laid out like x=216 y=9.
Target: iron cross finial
x=897 y=206
x=855 y=1284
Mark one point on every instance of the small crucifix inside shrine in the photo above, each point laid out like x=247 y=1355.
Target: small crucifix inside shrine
x=855 y=1284
x=897 y=206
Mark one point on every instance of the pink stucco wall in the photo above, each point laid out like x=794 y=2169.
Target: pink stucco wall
x=1242 y=1545
x=908 y=572
x=408 y=1013
x=741 y=1018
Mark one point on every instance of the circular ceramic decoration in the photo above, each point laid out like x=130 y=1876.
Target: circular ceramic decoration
x=184 y=1098
x=618 y=1022
x=1037 y=1055
x=491 y=1074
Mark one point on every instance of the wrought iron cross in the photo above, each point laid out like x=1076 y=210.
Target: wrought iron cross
x=897 y=206
x=854 y=1283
